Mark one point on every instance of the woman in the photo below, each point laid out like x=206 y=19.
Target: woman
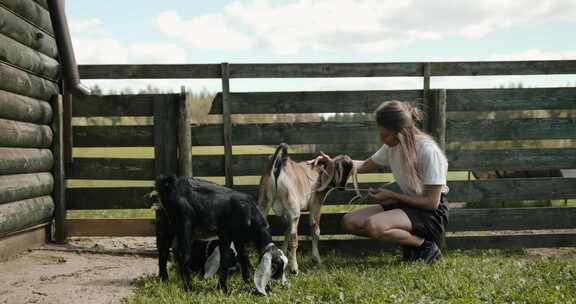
x=417 y=217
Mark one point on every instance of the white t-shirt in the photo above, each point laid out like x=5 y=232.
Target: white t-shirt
x=431 y=159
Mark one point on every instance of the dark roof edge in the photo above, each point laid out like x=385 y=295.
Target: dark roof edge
x=70 y=76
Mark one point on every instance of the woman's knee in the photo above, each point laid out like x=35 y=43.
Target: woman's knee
x=350 y=222
x=375 y=227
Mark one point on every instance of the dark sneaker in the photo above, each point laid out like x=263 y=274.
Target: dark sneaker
x=409 y=253
x=428 y=252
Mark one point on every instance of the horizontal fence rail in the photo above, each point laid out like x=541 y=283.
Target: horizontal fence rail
x=306 y=70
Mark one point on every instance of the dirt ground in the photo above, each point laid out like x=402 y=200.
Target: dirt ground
x=99 y=270
x=51 y=275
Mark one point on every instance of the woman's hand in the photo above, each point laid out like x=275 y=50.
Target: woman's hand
x=381 y=195
x=322 y=158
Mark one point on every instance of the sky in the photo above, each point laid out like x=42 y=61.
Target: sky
x=300 y=31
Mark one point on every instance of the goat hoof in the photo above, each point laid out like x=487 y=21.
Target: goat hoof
x=294 y=271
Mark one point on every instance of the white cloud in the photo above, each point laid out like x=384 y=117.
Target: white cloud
x=534 y=54
x=352 y=25
x=94 y=45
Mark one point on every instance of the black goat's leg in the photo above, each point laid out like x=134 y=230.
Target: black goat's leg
x=244 y=261
x=164 y=237
x=226 y=260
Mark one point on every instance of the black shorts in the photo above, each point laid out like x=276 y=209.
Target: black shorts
x=427 y=224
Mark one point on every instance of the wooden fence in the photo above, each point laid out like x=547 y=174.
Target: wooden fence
x=456 y=118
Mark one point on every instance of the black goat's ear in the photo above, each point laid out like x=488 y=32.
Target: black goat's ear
x=164 y=183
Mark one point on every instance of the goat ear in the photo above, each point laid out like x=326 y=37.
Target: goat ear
x=212 y=263
x=263 y=273
x=326 y=176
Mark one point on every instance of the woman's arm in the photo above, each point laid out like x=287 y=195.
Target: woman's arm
x=429 y=199
x=366 y=166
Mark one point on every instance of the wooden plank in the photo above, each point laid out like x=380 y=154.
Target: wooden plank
x=24 y=186
x=514 y=159
x=111 y=168
x=116 y=136
x=311 y=101
x=107 y=198
x=426 y=96
x=149 y=71
x=18 y=215
x=114 y=105
x=15 y=244
x=461 y=242
x=184 y=133
x=470 y=100
x=18 y=29
x=32 y=12
x=331 y=224
x=501 y=190
x=165 y=135
x=325 y=70
x=27 y=59
x=20 y=82
x=437 y=117
x=24 y=135
x=60 y=235
x=511 y=129
x=227 y=125
x=489 y=68
x=17 y=160
x=22 y=108
x=244 y=134
x=111 y=227
x=242 y=165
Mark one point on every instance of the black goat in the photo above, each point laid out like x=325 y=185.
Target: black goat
x=197 y=209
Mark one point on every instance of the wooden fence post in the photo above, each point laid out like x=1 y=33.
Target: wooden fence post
x=227 y=124
x=165 y=135
x=59 y=193
x=184 y=134
x=437 y=110
x=426 y=97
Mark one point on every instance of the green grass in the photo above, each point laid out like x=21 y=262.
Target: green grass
x=488 y=276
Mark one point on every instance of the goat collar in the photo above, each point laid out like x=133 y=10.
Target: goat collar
x=268 y=247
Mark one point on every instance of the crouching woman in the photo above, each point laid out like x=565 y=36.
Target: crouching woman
x=416 y=217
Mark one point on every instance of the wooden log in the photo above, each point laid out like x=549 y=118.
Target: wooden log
x=20 y=82
x=511 y=129
x=14 y=244
x=513 y=159
x=426 y=96
x=31 y=12
x=165 y=135
x=28 y=59
x=331 y=224
x=471 y=100
x=18 y=29
x=60 y=234
x=114 y=105
x=24 y=135
x=24 y=186
x=185 y=134
x=22 y=108
x=18 y=215
x=311 y=102
x=149 y=71
x=437 y=117
x=227 y=125
x=42 y=3
x=17 y=161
